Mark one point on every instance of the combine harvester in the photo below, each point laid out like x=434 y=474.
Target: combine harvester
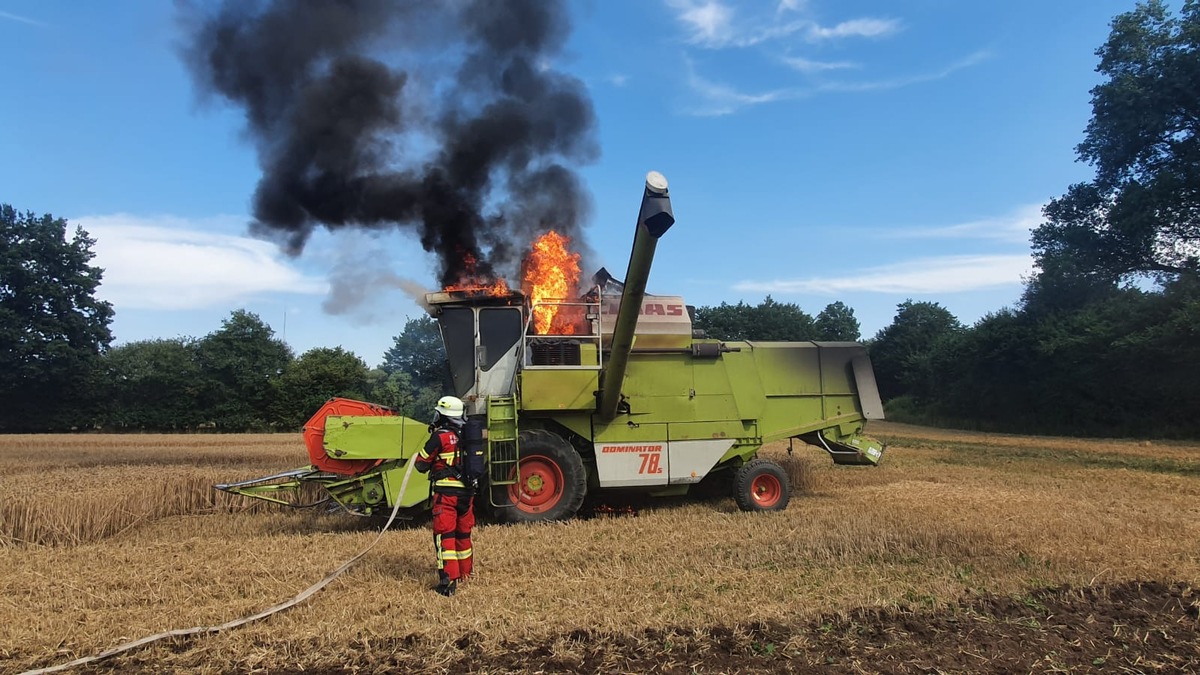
x=607 y=391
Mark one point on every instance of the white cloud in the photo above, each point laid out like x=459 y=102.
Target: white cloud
x=790 y=6
x=942 y=274
x=804 y=65
x=721 y=99
x=175 y=264
x=16 y=17
x=909 y=80
x=722 y=24
x=1014 y=227
x=617 y=80
x=854 y=28
x=713 y=24
x=708 y=22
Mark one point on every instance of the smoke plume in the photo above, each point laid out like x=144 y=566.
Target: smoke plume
x=444 y=117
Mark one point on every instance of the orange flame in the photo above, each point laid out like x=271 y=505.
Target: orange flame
x=551 y=273
x=470 y=282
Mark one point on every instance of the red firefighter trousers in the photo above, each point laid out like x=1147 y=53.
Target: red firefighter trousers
x=453 y=518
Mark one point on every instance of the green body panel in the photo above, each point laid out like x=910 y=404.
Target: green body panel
x=753 y=393
x=782 y=389
x=588 y=354
x=374 y=437
x=715 y=396
x=559 y=389
x=689 y=431
x=660 y=385
x=624 y=432
x=747 y=389
x=415 y=493
x=384 y=437
x=579 y=423
x=787 y=369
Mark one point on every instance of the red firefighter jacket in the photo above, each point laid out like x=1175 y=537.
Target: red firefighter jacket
x=440 y=458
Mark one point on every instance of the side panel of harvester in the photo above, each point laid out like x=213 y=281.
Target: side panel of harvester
x=685 y=412
x=688 y=414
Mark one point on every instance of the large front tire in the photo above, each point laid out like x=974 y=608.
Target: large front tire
x=761 y=485
x=551 y=481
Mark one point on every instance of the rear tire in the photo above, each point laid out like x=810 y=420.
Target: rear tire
x=761 y=485
x=551 y=482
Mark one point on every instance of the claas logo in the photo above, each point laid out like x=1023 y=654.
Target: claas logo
x=648 y=308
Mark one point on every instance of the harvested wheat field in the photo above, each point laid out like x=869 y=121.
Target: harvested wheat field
x=961 y=553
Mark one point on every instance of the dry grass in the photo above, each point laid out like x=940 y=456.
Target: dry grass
x=946 y=516
x=70 y=490
x=799 y=471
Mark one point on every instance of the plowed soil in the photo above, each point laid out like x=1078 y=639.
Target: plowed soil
x=1134 y=627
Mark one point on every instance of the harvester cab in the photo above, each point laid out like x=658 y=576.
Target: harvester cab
x=608 y=390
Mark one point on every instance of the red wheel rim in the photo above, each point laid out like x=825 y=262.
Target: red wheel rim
x=539 y=486
x=766 y=490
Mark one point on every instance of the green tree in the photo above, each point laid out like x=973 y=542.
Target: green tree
x=992 y=375
x=314 y=378
x=836 y=323
x=53 y=329
x=393 y=390
x=418 y=351
x=901 y=352
x=153 y=385
x=1141 y=214
x=397 y=391
x=1125 y=365
x=767 y=321
x=1074 y=257
x=725 y=321
x=241 y=362
x=783 y=322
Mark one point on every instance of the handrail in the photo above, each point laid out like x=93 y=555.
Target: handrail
x=593 y=318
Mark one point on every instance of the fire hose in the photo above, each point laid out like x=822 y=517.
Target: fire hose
x=196 y=630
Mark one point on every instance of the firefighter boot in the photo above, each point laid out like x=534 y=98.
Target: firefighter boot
x=446 y=587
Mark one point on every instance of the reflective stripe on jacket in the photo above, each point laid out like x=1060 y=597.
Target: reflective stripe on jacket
x=440 y=458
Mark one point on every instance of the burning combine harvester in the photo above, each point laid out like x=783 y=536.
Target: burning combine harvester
x=613 y=389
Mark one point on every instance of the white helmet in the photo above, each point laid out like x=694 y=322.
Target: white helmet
x=450 y=406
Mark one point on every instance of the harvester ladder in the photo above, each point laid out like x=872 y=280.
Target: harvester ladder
x=502 y=450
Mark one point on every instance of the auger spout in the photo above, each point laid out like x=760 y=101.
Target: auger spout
x=654 y=219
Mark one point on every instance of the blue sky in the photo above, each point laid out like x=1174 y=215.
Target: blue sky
x=867 y=152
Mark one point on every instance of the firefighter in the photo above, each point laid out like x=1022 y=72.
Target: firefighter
x=453 y=515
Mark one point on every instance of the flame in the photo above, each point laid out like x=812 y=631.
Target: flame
x=551 y=273
x=470 y=282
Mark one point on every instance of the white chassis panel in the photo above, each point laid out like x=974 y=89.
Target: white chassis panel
x=647 y=463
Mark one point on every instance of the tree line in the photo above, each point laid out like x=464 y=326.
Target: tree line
x=1103 y=341
x=59 y=371
x=1105 y=338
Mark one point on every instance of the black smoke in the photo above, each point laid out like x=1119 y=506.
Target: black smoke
x=448 y=117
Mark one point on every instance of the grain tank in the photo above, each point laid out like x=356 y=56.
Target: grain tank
x=623 y=395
